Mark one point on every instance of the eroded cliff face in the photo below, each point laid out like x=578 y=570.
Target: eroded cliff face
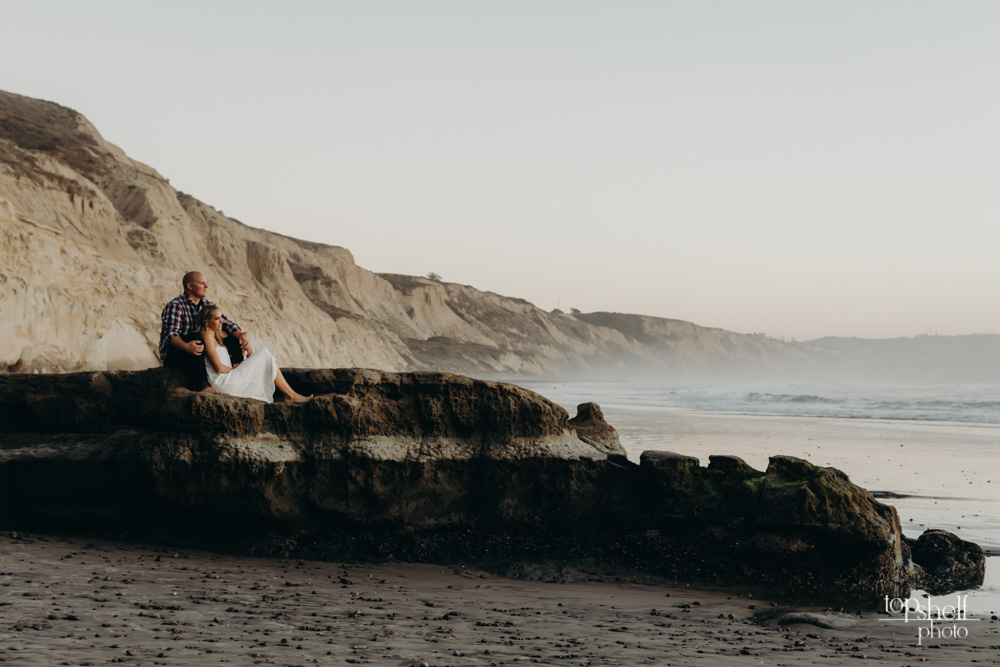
x=93 y=244
x=440 y=468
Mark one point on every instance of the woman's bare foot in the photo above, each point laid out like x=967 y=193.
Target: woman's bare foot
x=298 y=398
x=209 y=390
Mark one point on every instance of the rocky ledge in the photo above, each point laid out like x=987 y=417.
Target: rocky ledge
x=440 y=468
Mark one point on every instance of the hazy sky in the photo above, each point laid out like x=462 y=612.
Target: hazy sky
x=798 y=168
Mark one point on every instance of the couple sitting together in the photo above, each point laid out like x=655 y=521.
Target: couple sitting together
x=197 y=338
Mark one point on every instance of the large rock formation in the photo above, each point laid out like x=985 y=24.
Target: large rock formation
x=435 y=467
x=92 y=244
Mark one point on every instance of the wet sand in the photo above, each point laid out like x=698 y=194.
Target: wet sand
x=82 y=602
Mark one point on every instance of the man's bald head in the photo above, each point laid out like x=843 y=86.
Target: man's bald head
x=195 y=285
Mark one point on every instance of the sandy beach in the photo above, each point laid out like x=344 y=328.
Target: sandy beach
x=70 y=601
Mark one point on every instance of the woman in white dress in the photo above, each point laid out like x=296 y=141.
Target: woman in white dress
x=255 y=377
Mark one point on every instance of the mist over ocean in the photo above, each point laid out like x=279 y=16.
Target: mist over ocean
x=966 y=403
x=934 y=447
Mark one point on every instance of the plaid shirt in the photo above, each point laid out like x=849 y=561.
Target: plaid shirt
x=179 y=317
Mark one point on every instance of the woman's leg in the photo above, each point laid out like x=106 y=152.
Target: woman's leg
x=291 y=395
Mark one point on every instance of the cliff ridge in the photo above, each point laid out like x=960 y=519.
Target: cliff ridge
x=94 y=244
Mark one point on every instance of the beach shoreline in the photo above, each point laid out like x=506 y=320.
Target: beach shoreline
x=93 y=601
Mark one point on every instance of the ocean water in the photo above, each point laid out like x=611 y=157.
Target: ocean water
x=935 y=446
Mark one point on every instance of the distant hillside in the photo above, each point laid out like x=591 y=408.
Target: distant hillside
x=705 y=353
x=973 y=358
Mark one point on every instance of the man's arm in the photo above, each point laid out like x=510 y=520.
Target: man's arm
x=191 y=347
x=229 y=326
x=171 y=318
x=234 y=330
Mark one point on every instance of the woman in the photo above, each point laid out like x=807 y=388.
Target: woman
x=256 y=377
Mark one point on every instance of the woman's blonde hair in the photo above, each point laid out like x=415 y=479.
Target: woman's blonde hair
x=201 y=326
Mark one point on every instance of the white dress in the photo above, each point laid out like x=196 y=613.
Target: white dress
x=254 y=378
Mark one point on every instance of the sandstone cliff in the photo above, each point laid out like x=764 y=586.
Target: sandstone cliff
x=92 y=244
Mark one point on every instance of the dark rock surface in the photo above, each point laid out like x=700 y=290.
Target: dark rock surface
x=433 y=467
x=948 y=563
x=591 y=427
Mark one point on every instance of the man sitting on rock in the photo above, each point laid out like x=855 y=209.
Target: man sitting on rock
x=180 y=344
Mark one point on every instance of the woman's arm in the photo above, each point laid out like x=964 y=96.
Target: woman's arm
x=213 y=356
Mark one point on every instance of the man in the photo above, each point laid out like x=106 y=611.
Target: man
x=180 y=345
